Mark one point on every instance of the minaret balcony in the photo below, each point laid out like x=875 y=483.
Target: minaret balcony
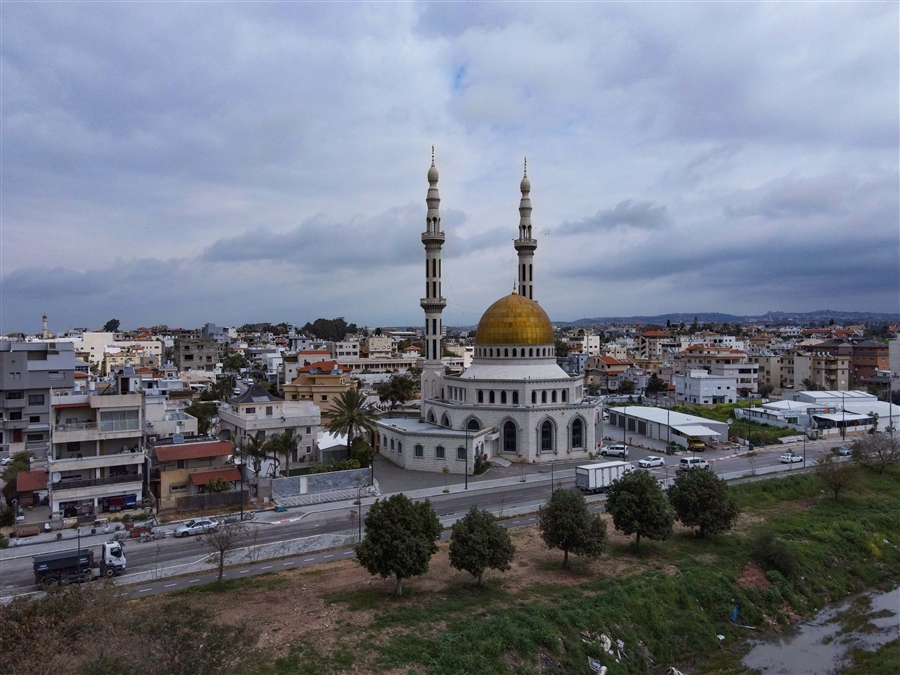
x=432 y=238
x=525 y=244
x=433 y=304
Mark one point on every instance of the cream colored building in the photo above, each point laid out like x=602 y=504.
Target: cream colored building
x=320 y=383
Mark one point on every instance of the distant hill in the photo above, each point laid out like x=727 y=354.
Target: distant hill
x=782 y=318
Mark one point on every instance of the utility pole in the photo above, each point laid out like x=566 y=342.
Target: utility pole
x=467 y=457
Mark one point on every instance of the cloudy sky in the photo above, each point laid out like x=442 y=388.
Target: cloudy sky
x=188 y=162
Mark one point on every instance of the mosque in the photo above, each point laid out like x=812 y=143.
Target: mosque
x=514 y=402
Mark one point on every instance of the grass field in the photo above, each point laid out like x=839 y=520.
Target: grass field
x=673 y=598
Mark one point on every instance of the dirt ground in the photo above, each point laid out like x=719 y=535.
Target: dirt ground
x=296 y=611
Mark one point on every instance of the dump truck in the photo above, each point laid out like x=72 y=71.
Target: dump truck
x=591 y=478
x=79 y=565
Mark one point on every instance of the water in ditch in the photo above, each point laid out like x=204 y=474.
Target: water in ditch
x=822 y=645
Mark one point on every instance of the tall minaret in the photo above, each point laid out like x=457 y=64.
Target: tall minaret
x=525 y=245
x=433 y=303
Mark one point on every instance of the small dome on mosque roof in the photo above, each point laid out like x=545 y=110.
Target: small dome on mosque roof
x=514 y=320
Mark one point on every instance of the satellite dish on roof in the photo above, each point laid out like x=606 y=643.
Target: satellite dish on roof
x=730 y=421
x=56 y=476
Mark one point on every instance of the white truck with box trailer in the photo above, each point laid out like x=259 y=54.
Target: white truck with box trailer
x=591 y=478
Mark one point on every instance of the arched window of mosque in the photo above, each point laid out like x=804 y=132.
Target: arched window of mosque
x=509 y=437
x=503 y=397
x=505 y=352
x=553 y=396
x=445 y=421
x=533 y=398
x=434 y=267
x=392 y=444
x=564 y=395
x=399 y=448
x=431 y=416
x=473 y=425
x=514 y=351
x=515 y=398
x=577 y=433
x=426 y=268
x=491 y=351
x=543 y=397
x=491 y=397
x=531 y=351
x=480 y=396
x=547 y=437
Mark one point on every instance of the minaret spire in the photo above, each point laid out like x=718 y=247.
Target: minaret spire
x=433 y=303
x=525 y=244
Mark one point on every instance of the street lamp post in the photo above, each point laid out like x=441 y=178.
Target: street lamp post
x=78 y=554
x=552 y=479
x=359 y=514
x=467 y=457
x=843 y=419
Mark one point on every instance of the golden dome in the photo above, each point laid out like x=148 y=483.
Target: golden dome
x=514 y=320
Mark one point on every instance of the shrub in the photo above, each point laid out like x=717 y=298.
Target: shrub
x=774 y=554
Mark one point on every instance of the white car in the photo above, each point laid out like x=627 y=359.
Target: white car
x=843 y=450
x=619 y=449
x=790 y=458
x=652 y=460
x=196 y=526
x=6 y=461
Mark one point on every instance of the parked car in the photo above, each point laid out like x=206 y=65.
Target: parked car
x=6 y=461
x=688 y=463
x=618 y=449
x=197 y=526
x=789 y=458
x=652 y=460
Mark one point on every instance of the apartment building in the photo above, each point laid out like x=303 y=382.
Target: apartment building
x=724 y=362
x=28 y=373
x=97 y=458
x=184 y=467
x=320 y=383
x=196 y=353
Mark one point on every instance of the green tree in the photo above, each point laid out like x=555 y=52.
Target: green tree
x=765 y=389
x=626 y=387
x=562 y=348
x=111 y=326
x=639 y=506
x=330 y=329
x=877 y=451
x=282 y=446
x=656 y=385
x=400 y=538
x=351 y=416
x=478 y=542
x=808 y=384
x=361 y=451
x=701 y=499
x=234 y=362
x=254 y=451
x=224 y=387
x=218 y=484
x=204 y=411
x=400 y=387
x=565 y=523
x=21 y=461
x=835 y=474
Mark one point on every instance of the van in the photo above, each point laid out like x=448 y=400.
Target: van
x=692 y=463
x=619 y=449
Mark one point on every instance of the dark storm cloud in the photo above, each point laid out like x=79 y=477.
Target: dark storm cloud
x=624 y=215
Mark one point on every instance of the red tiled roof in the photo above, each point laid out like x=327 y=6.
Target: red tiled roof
x=81 y=376
x=29 y=481
x=654 y=333
x=314 y=351
x=206 y=476
x=326 y=366
x=172 y=453
x=82 y=404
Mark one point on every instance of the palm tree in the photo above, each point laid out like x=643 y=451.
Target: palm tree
x=255 y=450
x=351 y=416
x=283 y=445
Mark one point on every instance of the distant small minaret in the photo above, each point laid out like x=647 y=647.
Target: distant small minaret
x=525 y=244
x=433 y=303
x=44 y=333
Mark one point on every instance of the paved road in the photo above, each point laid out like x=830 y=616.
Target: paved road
x=17 y=576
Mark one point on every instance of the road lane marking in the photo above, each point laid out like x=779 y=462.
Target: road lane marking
x=348 y=552
x=290 y=562
x=145 y=590
x=194 y=581
x=169 y=585
x=244 y=571
x=267 y=567
x=331 y=555
x=308 y=559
